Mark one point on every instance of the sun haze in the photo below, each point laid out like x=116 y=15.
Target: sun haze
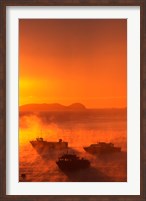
x=73 y=60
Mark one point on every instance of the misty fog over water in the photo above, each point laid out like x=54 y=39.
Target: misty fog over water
x=79 y=129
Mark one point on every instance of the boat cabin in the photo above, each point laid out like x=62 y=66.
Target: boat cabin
x=40 y=139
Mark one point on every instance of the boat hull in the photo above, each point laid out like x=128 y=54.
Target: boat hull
x=102 y=150
x=45 y=148
x=73 y=165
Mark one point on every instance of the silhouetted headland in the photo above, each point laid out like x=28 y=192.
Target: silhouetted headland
x=52 y=107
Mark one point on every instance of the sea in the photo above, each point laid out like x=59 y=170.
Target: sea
x=79 y=129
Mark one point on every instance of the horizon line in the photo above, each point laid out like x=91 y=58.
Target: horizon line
x=75 y=103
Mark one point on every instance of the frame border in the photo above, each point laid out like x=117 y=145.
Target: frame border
x=3 y=5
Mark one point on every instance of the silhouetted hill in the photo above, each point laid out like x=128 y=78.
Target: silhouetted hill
x=76 y=106
x=51 y=107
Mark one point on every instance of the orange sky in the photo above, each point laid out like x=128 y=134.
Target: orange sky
x=68 y=61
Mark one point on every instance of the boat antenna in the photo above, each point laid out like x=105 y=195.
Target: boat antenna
x=41 y=132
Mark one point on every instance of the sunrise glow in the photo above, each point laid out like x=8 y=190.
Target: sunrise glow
x=67 y=61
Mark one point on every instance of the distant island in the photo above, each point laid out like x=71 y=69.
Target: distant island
x=51 y=107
